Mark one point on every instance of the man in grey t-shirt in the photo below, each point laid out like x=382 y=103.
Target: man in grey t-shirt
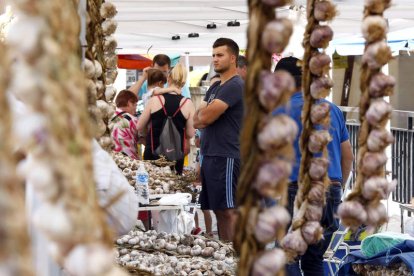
x=220 y=115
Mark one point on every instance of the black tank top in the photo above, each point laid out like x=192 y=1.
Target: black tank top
x=157 y=119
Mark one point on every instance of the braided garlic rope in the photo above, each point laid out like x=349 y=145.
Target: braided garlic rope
x=56 y=134
x=363 y=205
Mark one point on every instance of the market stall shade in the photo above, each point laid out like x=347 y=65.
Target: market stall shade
x=133 y=62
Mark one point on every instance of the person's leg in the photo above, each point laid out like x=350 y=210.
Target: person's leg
x=208 y=222
x=226 y=221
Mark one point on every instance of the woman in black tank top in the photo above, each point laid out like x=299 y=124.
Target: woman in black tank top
x=154 y=116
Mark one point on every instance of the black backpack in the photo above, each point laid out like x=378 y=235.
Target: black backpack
x=170 y=139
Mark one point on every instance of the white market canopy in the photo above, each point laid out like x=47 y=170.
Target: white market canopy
x=148 y=26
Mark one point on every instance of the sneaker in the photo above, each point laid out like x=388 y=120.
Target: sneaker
x=196 y=231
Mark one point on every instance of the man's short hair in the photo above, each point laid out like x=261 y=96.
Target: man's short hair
x=241 y=61
x=161 y=60
x=124 y=97
x=155 y=76
x=231 y=45
x=291 y=65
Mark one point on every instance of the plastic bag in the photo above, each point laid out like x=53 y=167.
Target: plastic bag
x=176 y=199
x=175 y=221
x=409 y=227
x=380 y=242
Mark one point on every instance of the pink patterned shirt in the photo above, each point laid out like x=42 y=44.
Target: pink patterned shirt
x=124 y=133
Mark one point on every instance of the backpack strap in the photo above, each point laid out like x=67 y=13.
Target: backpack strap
x=179 y=108
x=163 y=107
x=120 y=114
x=152 y=138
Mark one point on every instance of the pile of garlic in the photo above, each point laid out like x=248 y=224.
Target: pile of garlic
x=55 y=132
x=14 y=240
x=174 y=254
x=100 y=66
x=400 y=269
x=363 y=205
x=273 y=157
x=313 y=178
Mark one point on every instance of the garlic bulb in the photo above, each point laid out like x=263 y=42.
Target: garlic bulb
x=269 y=222
x=207 y=252
x=319 y=64
x=381 y=85
x=324 y=10
x=270 y=175
x=377 y=55
x=377 y=6
x=196 y=250
x=377 y=187
x=318 y=140
x=54 y=221
x=109 y=27
x=276 y=133
x=89 y=68
x=313 y=212
x=110 y=44
x=321 y=87
x=294 y=241
x=98 y=68
x=376 y=214
x=372 y=162
x=352 y=213
x=377 y=112
x=379 y=139
x=374 y=28
x=276 y=35
x=316 y=193
x=318 y=168
x=108 y=10
x=111 y=61
x=276 y=88
x=276 y=3
x=320 y=113
x=321 y=36
x=269 y=263
x=312 y=232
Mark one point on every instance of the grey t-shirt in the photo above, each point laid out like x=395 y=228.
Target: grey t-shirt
x=221 y=138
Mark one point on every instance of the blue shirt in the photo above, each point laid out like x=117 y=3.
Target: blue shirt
x=337 y=130
x=221 y=138
x=144 y=88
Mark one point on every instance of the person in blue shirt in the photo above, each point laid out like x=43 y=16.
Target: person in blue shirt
x=340 y=163
x=163 y=63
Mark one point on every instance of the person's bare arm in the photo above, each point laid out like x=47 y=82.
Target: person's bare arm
x=189 y=127
x=212 y=112
x=145 y=116
x=160 y=91
x=137 y=86
x=346 y=159
x=196 y=122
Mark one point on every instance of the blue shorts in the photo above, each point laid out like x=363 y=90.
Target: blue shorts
x=219 y=182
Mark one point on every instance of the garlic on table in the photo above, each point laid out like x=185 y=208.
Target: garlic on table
x=196 y=250
x=200 y=243
x=379 y=139
x=320 y=63
x=294 y=241
x=377 y=55
x=324 y=10
x=318 y=140
x=275 y=36
x=318 y=168
x=377 y=112
x=312 y=232
x=372 y=162
x=269 y=263
x=377 y=6
x=321 y=36
x=207 y=252
x=270 y=175
x=321 y=87
x=374 y=28
x=279 y=131
x=320 y=113
x=352 y=213
x=381 y=85
x=269 y=222
x=276 y=88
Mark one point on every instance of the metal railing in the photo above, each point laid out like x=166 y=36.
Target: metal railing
x=401 y=151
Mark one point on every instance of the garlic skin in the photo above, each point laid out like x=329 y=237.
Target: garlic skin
x=377 y=112
x=320 y=113
x=377 y=6
x=381 y=85
x=294 y=241
x=313 y=212
x=376 y=214
x=379 y=139
x=318 y=140
x=109 y=27
x=276 y=88
x=98 y=68
x=377 y=187
x=269 y=222
x=319 y=64
x=374 y=28
x=276 y=35
x=321 y=87
x=196 y=250
x=316 y=193
x=269 y=263
x=89 y=68
x=110 y=44
x=377 y=55
x=281 y=130
x=372 y=162
x=312 y=232
x=270 y=175
x=276 y=3
x=108 y=10
x=54 y=221
x=318 y=168
x=324 y=10
x=207 y=252
x=321 y=36
x=352 y=213
x=111 y=61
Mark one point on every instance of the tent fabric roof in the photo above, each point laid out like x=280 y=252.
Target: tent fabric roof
x=147 y=26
